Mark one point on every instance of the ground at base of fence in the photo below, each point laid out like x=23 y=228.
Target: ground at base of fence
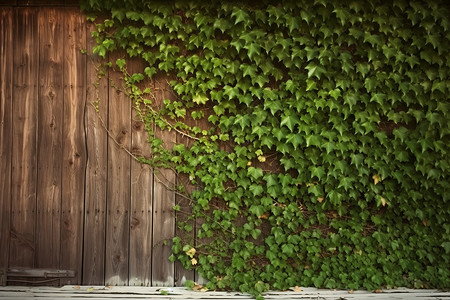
x=132 y=292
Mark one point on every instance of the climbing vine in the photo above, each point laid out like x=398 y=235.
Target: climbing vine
x=321 y=151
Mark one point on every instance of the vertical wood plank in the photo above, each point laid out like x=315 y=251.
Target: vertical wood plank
x=96 y=118
x=25 y=83
x=74 y=147
x=141 y=201
x=50 y=113
x=163 y=202
x=119 y=164
x=6 y=68
x=181 y=274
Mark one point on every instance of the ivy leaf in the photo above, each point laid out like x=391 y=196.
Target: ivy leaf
x=242 y=120
x=289 y=120
x=248 y=70
x=254 y=50
x=292 y=22
x=363 y=68
x=310 y=85
x=295 y=139
x=200 y=99
x=150 y=71
x=446 y=246
x=379 y=98
x=274 y=106
x=120 y=63
x=119 y=14
x=255 y=173
x=314 y=70
x=401 y=133
x=256 y=189
x=336 y=93
x=319 y=172
x=313 y=140
x=240 y=15
x=335 y=197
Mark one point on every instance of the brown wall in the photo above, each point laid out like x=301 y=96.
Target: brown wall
x=71 y=197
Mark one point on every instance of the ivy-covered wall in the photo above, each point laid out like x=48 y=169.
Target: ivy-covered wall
x=325 y=159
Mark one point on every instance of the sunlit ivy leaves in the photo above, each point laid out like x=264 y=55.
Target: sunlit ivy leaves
x=326 y=142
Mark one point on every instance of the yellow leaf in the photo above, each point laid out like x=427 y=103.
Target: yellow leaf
x=264 y=216
x=191 y=252
x=297 y=289
x=204 y=290
x=90 y=289
x=249 y=163
x=320 y=199
x=262 y=158
x=376 y=178
x=197 y=287
x=383 y=201
x=193 y=261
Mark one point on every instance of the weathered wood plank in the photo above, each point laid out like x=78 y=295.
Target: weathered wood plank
x=8 y=3
x=40 y=3
x=74 y=147
x=25 y=82
x=163 y=201
x=47 y=273
x=181 y=274
x=96 y=118
x=50 y=121
x=101 y=292
x=6 y=123
x=119 y=164
x=141 y=201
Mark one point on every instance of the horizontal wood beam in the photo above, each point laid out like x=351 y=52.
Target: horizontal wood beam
x=45 y=273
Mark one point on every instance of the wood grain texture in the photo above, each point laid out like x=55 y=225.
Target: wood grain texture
x=119 y=164
x=50 y=124
x=6 y=69
x=96 y=118
x=102 y=293
x=163 y=272
x=74 y=146
x=40 y=3
x=25 y=83
x=140 y=256
x=8 y=3
x=181 y=274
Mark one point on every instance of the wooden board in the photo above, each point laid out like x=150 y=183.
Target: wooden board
x=6 y=68
x=119 y=164
x=8 y=3
x=52 y=3
x=74 y=147
x=102 y=293
x=96 y=120
x=163 y=201
x=140 y=256
x=40 y=2
x=25 y=83
x=50 y=124
x=181 y=274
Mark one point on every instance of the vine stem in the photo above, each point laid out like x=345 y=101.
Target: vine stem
x=129 y=94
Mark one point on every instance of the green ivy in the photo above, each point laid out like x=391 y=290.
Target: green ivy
x=323 y=158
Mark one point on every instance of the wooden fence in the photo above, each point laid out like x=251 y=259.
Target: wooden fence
x=71 y=197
